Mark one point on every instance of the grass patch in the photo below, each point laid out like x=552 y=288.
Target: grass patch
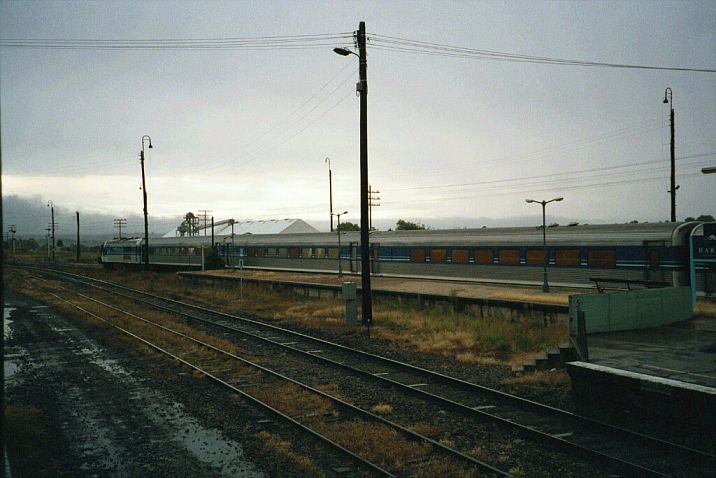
x=382 y=409
x=439 y=330
x=378 y=443
x=541 y=377
x=284 y=457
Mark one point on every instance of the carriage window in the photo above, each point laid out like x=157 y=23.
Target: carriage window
x=333 y=252
x=294 y=252
x=535 y=256
x=417 y=255
x=483 y=256
x=320 y=252
x=460 y=256
x=261 y=252
x=438 y=255
x=602 y=258
x=570 y=257
x=282 y=252
x=510 y=257
x=307 y=252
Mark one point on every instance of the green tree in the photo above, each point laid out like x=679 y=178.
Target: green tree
x=60 y=243
x=348 y=226
x=689 y=219
x=705 y=218
x=408 y=226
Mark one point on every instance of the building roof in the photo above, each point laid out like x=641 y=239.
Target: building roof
x=271 y=226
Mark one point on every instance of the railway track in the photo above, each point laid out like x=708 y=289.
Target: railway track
x=251 y=380
x=614 y=448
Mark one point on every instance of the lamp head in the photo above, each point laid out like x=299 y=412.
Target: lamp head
x=665 y=100
x=150 y=144
x=342 y=51
x=558 y=199
x=529 y=200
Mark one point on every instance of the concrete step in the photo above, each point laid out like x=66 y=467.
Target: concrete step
x=554 y=358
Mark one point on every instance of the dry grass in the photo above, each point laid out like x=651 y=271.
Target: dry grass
x=428 y=430
x=285 y=458
x=706 y=308
x=437 y=330
x=382 y=409
x=445 y=467
x=541 y=377
x=379 y=444
x=296 y=401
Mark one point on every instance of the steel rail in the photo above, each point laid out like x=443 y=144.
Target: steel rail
x=353 y=408
x=443 y=378
x=255 y=401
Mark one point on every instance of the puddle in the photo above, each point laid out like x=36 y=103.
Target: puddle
x=7 y=333
x=207 y=445
x=9 y=365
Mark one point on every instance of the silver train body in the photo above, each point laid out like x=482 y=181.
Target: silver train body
x=656 y=252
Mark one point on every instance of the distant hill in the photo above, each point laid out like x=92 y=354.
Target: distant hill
x=31 y=216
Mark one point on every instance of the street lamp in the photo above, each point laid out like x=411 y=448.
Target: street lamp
x=51 y=205
x=330 y=190
x=338 y=230
x=668 y=98
x=545 y=284
x=711 y=170
x=144 y=193
x=362 y=88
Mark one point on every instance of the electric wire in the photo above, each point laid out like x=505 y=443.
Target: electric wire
x=405 y=45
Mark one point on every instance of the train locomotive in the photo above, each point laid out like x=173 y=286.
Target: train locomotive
x=574 y=254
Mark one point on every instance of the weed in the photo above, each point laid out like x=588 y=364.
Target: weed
x=382 y=409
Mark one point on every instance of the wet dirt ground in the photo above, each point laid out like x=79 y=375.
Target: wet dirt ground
x=76 y=408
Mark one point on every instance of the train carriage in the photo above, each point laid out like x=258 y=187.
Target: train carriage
x=657 y=252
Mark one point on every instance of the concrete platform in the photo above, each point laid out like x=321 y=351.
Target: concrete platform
x=665 y=374
x=684 y=351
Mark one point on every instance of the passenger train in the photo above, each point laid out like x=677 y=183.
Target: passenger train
x=647 y=251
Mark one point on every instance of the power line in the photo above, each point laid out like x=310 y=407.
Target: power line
x=564 y=173
x=323 y=40
x=405 y=45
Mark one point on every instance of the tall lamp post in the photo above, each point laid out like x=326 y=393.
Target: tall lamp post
x=545 y=284
x=51 y=205
x=362 y=88
x=144 y=194
x=330 y=190
x=338 y=230
x=668 y=98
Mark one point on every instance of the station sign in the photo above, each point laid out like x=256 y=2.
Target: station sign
x=704 y=246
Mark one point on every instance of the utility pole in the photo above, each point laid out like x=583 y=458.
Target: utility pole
x=212 y=232
x=362 y=88
x=78 y=236
x=668 y=98
x=13 y=230
x=364 y=226
x=47 y=237
x=205 y=213
x=330 y=190
x=373 y=201
x=51 y=205
x=118 y=223
x=145 y=253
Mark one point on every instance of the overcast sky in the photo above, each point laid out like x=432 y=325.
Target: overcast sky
x=245 y=133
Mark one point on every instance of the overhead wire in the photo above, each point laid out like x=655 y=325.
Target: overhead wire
x=405 y=45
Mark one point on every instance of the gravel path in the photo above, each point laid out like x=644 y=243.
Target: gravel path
x=75 y=408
